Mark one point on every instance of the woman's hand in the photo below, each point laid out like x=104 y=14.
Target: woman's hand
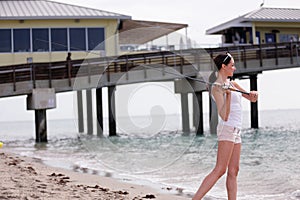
x=253 y=96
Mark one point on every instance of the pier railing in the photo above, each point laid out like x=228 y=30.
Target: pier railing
x=261 y=57
x=248 y=58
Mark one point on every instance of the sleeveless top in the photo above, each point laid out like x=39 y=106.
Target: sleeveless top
x=235 y=115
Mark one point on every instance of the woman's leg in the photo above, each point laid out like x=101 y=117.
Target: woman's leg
x=233 y=169
x=225 y=149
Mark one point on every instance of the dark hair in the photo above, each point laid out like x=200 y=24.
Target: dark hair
x=222 y=59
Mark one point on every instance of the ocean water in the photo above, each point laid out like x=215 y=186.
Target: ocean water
x=153 y=150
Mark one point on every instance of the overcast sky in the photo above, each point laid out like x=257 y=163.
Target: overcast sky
x=277 y=89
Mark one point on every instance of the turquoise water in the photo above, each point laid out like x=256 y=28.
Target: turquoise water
x=269 y=169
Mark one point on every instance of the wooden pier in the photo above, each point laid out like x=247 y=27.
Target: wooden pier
x=177 y=66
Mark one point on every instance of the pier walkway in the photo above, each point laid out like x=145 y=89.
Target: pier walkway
x=87 y=74
x=250 y=60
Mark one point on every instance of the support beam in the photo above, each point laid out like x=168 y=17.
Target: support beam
x=40 y=126
x=185 y=113
x=80 y=112
x=111 y=111
x=99 y=112
x=89 y=111
x=254 y=107
x=198 y=113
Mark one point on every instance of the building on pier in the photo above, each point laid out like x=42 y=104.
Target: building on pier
x=264 y=25
x=45 y=31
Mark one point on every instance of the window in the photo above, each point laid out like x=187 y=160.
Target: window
x=51 y=39
x=288 y=37
x=5 y=40
x=59 y=41
x=21 y=40
x=77 y=39
x=96 y=39
x=40 y=39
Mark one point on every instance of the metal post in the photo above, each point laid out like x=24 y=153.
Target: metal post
x=254 y=107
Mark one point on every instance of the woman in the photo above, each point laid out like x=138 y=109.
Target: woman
x=228 y=131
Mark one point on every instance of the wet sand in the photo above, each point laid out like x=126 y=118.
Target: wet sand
x=27 y=178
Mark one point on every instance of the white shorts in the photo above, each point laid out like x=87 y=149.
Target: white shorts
x=229 y=133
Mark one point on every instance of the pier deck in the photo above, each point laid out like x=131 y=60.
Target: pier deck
x=142 y=67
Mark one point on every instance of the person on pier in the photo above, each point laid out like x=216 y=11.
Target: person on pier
x=229 y=128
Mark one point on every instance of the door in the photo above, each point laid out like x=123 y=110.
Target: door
x=270 y=37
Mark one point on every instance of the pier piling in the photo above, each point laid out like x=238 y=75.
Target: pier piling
x=213 y=116
x=40 y=126
x=112 y=111
x=99 y=112
x=80 y=112
x=40 y=100
x=89 y=111
x=198 y=113
x=185 y=113
x=254 y=107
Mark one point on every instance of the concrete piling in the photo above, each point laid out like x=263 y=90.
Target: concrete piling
x=254 y=107
x=185 y=113
x=99 y=112
x=89 y=111
x=40 y=126
x=40 y=100
x=80 y=112
x=112 y=111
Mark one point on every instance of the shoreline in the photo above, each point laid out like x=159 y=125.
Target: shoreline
x=29 y=178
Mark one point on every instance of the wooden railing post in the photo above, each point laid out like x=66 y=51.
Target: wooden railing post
x=291 y=52
x=14 y=78
x=33 y=75
x=260 y=56
x=69 y=72
x=50 y=75
x=276 y=54
x=297 y=52
x=89 y=72
x=244 y=57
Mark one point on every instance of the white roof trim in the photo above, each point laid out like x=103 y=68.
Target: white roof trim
x=45 y=9
x=259 y=15
x=233 y=23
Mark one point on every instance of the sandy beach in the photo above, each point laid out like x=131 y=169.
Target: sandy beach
x=27 y=178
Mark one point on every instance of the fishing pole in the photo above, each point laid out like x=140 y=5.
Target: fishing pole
x=224 y=86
